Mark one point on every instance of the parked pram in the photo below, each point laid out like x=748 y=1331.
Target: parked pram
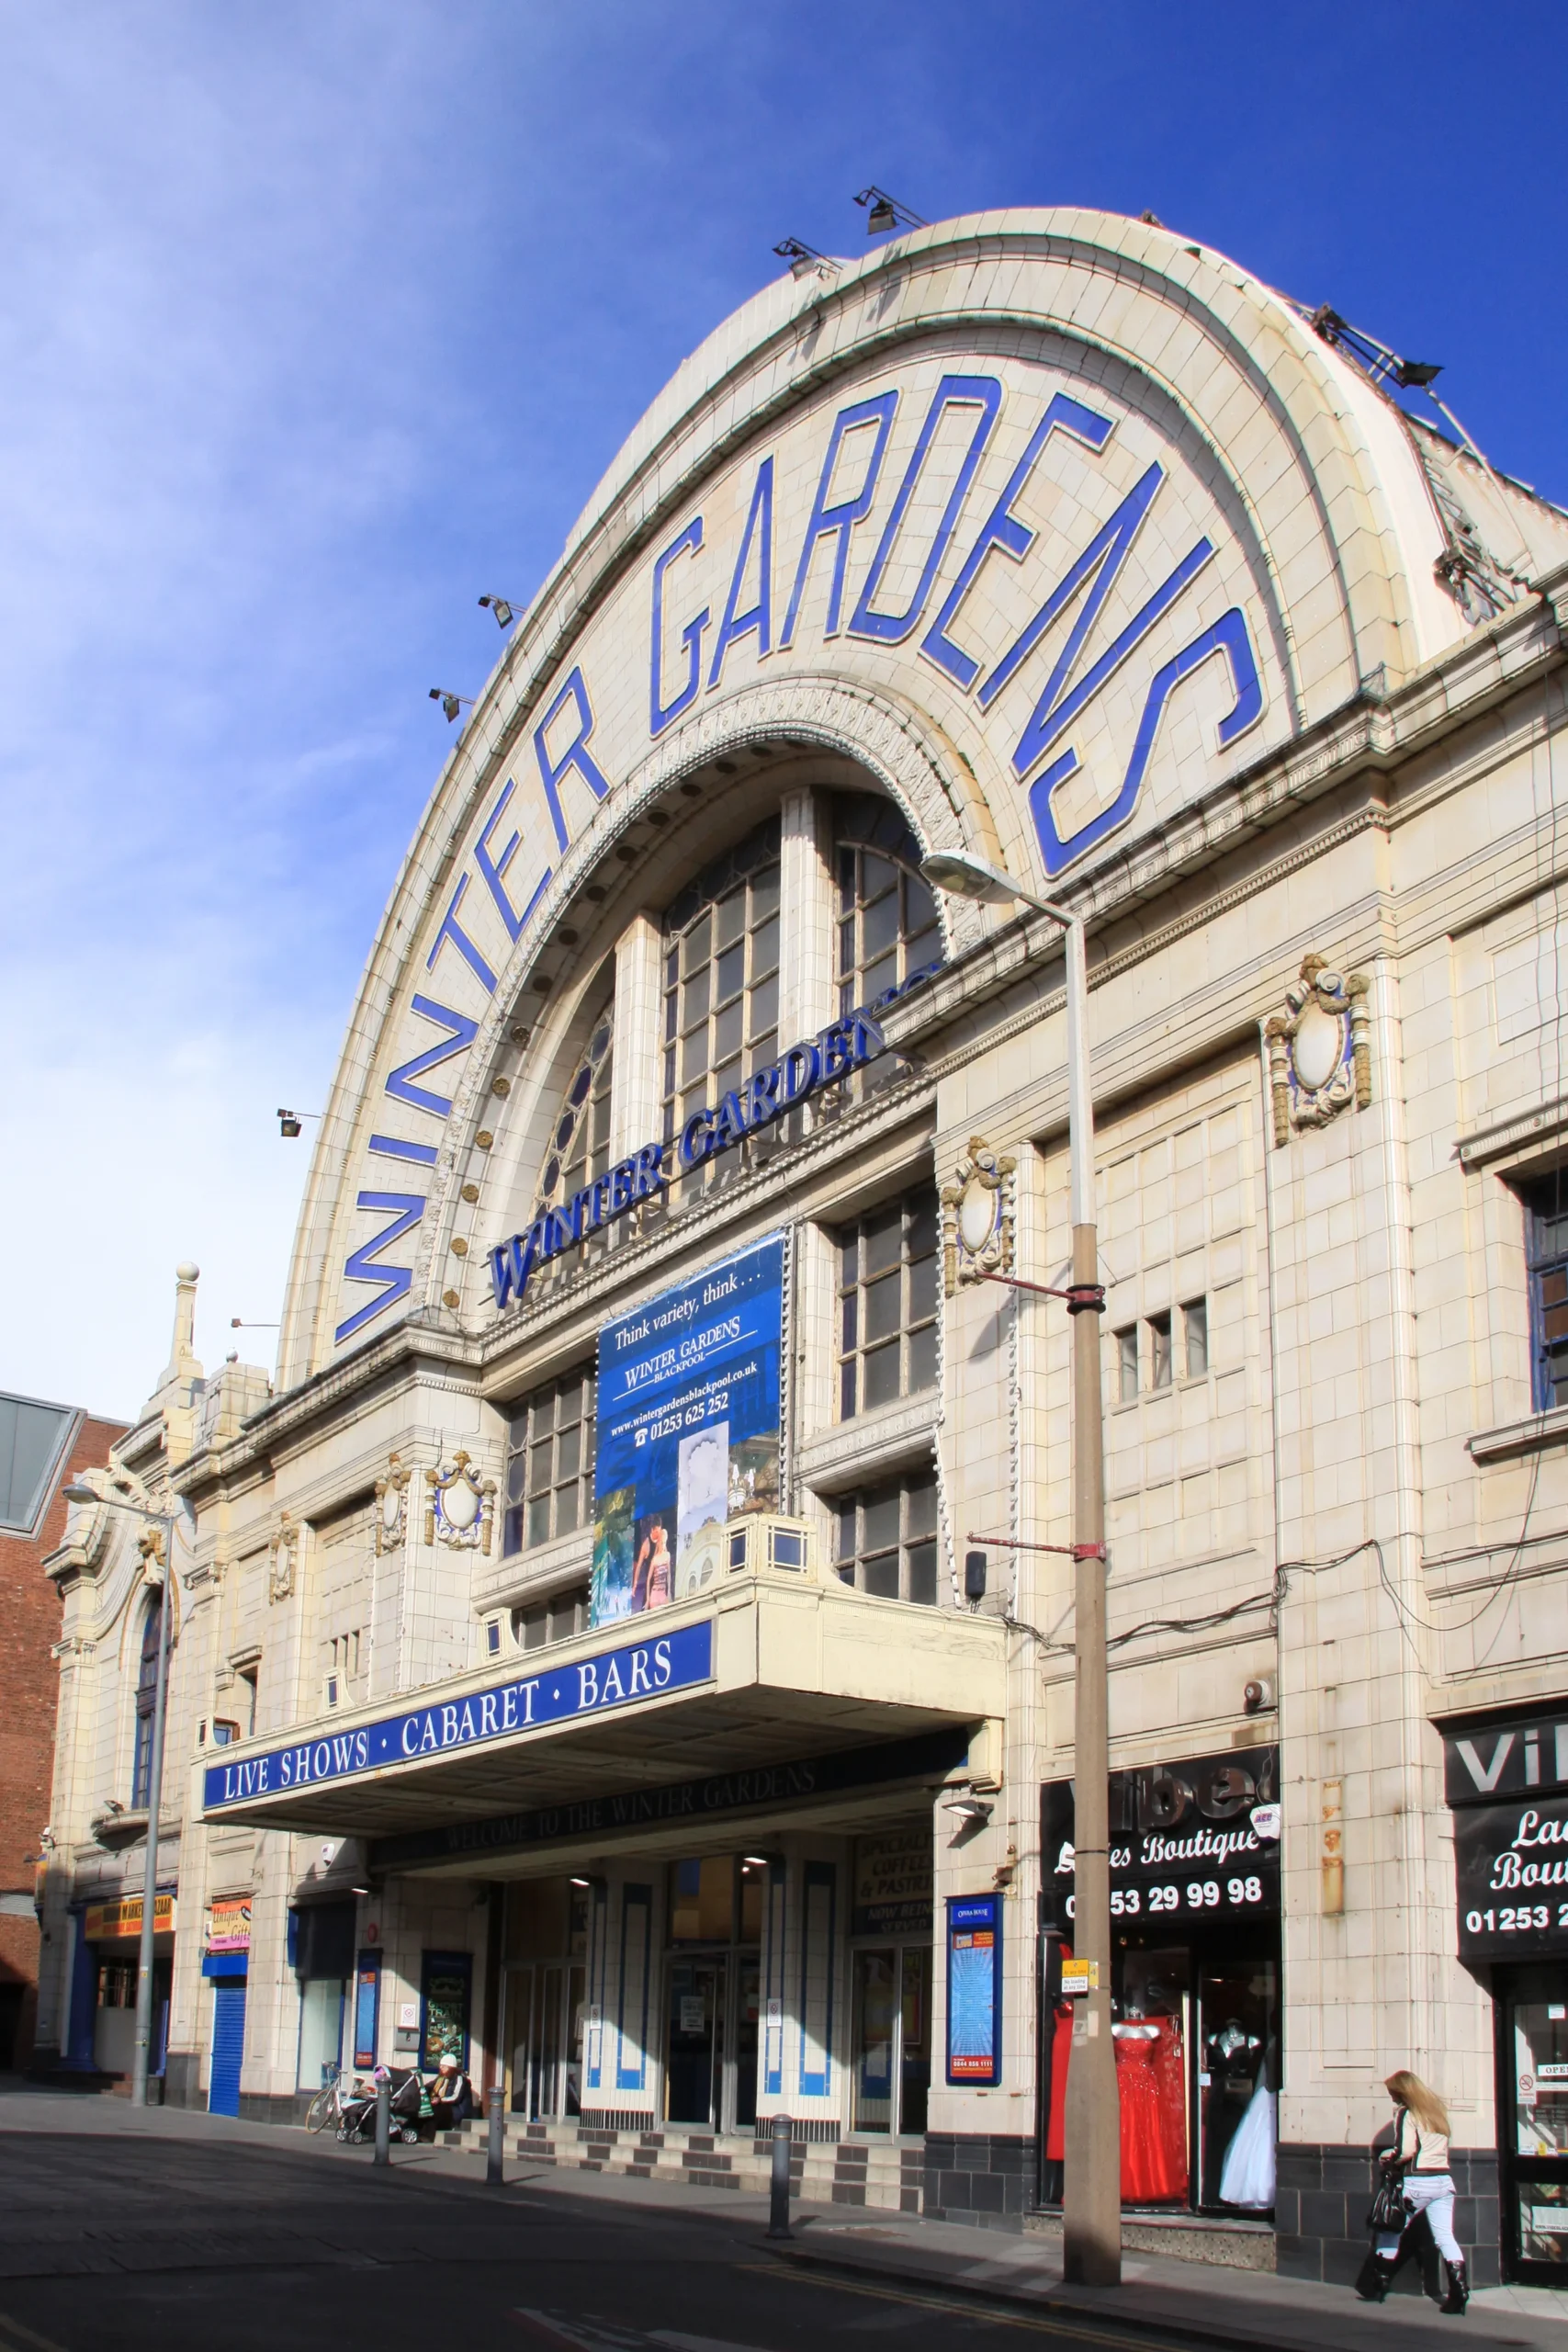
x=408 y=2102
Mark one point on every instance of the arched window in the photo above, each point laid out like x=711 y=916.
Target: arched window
x=146 y=1699
x=721 y=980
x=579 y=1145
x=887 y=913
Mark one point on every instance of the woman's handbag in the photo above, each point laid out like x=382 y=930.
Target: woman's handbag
x=1388 y=2211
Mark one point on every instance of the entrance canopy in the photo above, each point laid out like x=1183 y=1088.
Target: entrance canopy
x=765 y=1670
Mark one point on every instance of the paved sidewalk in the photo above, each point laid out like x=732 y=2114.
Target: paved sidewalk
x=1204 y=2304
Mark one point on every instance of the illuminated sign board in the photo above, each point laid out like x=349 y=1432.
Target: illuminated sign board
x=564 y=1693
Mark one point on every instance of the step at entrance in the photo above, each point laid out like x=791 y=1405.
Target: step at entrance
x=887 y=2175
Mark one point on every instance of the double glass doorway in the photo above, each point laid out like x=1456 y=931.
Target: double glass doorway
x=544 y=2019
x=710 y=2076
x=892 y=2001
x=713 y=1991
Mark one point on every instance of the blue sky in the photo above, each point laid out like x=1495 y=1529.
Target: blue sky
x=318 y=320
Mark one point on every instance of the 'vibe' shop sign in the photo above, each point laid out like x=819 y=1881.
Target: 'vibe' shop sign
x=588 y=1686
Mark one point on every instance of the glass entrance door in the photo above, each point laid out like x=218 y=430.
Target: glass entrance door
x=1532 y=2026
x=891 y=2026
x=741 y=2089
x=545 y=2011
x=693 y=2073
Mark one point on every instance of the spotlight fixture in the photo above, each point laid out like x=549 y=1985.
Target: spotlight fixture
x=504 y=615
x=575 y=1881
x=805 y=261
x=969 y=1809
x=450 y=703
x=289 y=1123
x=1374 y=357
x=885 y=212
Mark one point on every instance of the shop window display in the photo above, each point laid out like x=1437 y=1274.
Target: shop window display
x=1195 y=1982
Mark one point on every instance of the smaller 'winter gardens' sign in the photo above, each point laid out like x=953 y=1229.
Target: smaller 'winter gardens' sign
x=1508 y=1783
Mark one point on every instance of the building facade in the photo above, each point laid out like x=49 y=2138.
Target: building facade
x=628 y=1649
x=42 y=1446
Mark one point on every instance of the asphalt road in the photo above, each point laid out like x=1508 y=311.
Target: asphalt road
x=137 y=2241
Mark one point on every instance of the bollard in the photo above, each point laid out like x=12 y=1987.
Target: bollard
x=496 y=2154
x=778 y=2207
x=383 y=2122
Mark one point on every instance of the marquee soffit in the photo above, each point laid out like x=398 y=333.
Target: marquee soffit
x=972 y=422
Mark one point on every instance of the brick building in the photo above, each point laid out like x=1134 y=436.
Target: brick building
x=41 y=1446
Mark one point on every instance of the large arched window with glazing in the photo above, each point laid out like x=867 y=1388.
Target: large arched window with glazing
x=576 y=1149
x=721 y=983
x=885 y=910
x=885 y=922
x=146 y=1701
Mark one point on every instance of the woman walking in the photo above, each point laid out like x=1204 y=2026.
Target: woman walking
x=1418 y=2164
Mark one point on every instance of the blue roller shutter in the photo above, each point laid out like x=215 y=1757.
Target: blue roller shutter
x=228 y=2044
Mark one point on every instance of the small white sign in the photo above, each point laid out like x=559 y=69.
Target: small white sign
x=408 y=2017
x=1080 y=1977
x=775 y=2012
x=1266 y=1820
x=692 y=2017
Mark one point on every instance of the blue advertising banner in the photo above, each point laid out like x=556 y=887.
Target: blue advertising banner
x=588 y=1686
x=688 y=1430
x=975 y=1989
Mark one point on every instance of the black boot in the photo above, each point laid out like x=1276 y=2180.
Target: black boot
x=1375 y=2277
x=1458 y=2295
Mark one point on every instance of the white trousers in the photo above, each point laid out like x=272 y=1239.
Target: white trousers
x=1431 y=2193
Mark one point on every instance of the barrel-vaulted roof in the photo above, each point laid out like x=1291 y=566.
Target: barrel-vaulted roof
x=1056 y=526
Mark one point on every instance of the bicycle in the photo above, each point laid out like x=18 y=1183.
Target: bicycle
x=329 y=2106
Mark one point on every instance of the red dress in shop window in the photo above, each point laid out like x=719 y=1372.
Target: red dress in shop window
x=1148 y=2078
x=1061 y=2058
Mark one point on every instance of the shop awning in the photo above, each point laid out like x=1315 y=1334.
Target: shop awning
x=767 y=1668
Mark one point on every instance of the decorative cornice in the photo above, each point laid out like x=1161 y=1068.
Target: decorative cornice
x=1535 y=1435
x=1544 y=1126
x=870 y=1444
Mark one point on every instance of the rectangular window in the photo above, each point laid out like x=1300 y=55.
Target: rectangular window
x=888 y=1539
x=1195 y=1337
x=1127 y=1364
x=549 y=1464
x=887 y=1300
x=1546 y=1246
x=721 y=983
x=1159 y=1350
x=555 y=1619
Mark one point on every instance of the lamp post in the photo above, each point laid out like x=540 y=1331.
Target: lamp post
x=79 y=1492
x=1091 y=2201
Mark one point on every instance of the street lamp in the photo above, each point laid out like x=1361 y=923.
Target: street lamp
x=1091 y=2200
x=79 y=1492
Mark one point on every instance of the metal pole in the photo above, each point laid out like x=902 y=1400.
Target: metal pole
x=495 y=2156
x=1091 y=2200
x=139 y=2064
x=383 y=2121
x=778 y=2198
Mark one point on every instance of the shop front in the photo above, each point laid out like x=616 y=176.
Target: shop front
x=108 y=1951
x=1195 y=1987
x=1506 y=1782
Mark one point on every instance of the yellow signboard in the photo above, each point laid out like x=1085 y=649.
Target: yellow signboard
x=107 y=1923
